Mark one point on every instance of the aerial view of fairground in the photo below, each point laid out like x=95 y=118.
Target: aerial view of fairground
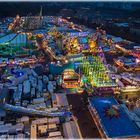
x=69 y=70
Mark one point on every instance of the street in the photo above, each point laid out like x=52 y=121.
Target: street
x=85 y=122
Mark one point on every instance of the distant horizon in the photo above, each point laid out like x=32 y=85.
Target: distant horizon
x=23 y=8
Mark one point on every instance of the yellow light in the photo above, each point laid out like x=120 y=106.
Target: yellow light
x=117 y=46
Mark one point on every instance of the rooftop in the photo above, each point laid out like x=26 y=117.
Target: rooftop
x=113 y=126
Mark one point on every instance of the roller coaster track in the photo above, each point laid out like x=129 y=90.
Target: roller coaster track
x=5 y=34
x=20 y=109
x=9 y=40
x=53 y=54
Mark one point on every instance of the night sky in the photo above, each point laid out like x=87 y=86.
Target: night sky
x=53 y=8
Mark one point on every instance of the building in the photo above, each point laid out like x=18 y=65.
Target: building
x=24 y=119
x=109 y=118
x=55 y=134
x=45 y=126
x=9 y=128
x=38 y=100
x=17 y=80
x=26 y=86
x=46 y=120
x=33 y=131
x=59 y=100
x=70 y=79
x=70 y=130
x=33 y=22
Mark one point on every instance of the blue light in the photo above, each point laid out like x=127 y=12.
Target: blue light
x=105 y=101
x=67 y=114
x=19 y=74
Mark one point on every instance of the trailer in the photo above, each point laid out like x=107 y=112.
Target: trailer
x=26 y=86
x=33 y=92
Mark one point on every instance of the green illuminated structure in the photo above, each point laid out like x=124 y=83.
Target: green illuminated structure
x=96 y=72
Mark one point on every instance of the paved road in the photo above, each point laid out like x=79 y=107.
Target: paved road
x=85 y=122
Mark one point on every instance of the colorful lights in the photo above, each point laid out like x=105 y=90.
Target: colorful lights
x=75 y=45
x=95 y=72
x=70 y=79
x=137 y=60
